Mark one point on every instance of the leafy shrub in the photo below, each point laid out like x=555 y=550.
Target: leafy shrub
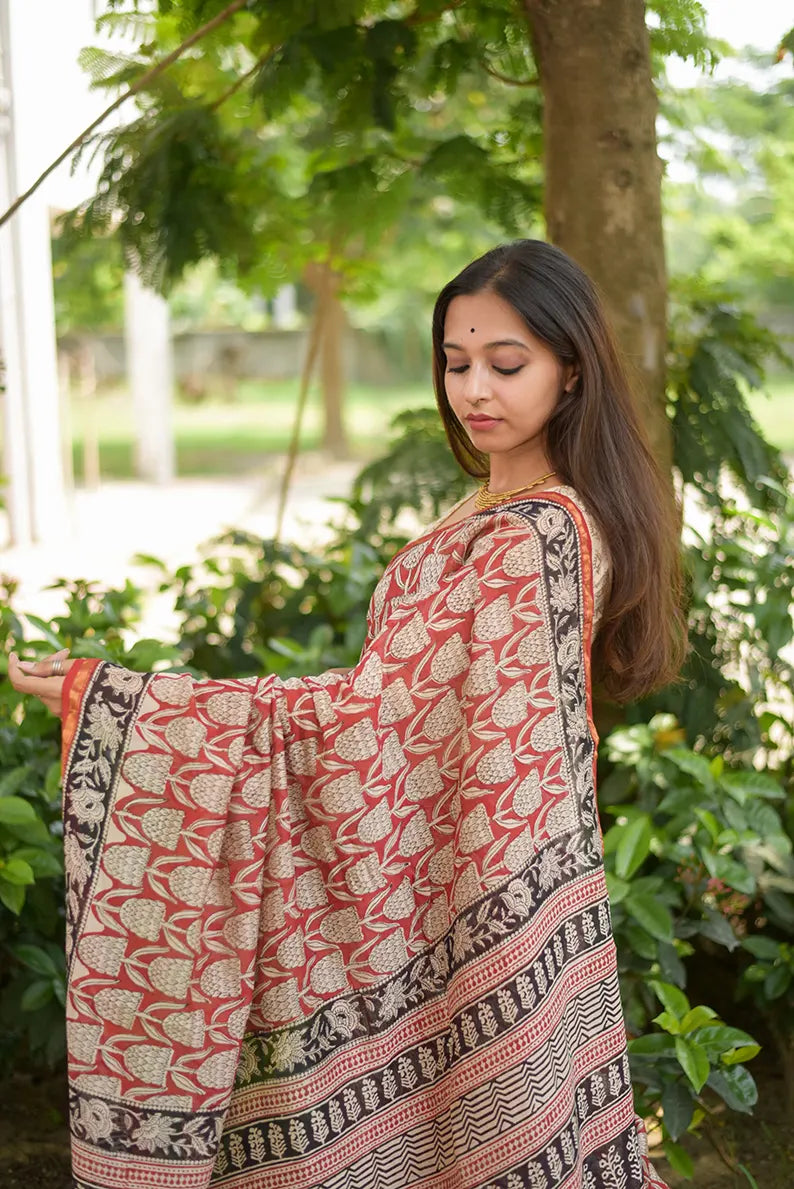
x=698 y=858
x=32 y=986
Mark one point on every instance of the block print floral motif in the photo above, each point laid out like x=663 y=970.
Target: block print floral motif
x=341 y=814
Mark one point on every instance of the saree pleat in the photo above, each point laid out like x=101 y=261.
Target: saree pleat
x=352 y=930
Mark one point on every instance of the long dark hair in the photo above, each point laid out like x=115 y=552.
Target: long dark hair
x=596 y=444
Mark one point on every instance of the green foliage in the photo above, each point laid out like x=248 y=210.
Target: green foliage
x=254 y=606
x=718 y=351
x=316 y=132
x=679 y=27
x=416 y=474
x=733 y=223
x=698 y=860
x=32 y=985
x=87 y=282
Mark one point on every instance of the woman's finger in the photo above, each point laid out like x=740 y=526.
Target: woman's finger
x=47 y=688
x=43 y=668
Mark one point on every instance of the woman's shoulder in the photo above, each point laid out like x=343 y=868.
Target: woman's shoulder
x=560 y=513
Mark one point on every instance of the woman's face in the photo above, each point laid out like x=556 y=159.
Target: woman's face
x=501 y=381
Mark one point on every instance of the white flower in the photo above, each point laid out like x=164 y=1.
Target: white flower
x=461 y=940
x=153 y=1133
x=549 y=869
x=288 y=1051
x=102 y=726
x=95 y=1119
x=518 y=898
x=343 y=1018
x=123 y=681
x=75 y=861
x=551 y=522
x=393 y=1000
x=563 y=594
x=86 y=804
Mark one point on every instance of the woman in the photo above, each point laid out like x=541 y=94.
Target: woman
x=352 y=930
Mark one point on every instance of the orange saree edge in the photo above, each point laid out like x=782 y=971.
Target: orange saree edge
x=74 y=686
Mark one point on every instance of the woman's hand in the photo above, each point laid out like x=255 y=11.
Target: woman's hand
x=37 y=678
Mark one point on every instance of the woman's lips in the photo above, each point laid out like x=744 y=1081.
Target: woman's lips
x=479 y=421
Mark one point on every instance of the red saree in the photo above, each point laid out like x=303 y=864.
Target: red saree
x=353 y=931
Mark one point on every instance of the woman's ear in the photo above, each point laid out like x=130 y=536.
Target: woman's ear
x=572 y=376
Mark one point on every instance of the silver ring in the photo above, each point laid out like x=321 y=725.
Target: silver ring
x=56 y=669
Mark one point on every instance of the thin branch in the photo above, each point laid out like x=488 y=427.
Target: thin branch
x=511 y=82
x=726 y=1160
x=309 y=364
x=138 y=85
x=258 y=64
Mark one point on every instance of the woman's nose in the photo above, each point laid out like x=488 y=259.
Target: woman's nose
x=476 y=386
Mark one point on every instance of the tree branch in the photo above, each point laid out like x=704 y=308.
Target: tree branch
x=227 y=94
x=138 y=85
x=511 y=82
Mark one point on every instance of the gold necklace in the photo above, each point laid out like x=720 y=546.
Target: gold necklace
x=485 y=498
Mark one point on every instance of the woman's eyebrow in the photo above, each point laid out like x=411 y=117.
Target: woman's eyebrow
x=497 y=343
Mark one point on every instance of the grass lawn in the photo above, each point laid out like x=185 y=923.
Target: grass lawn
x=774 y=411
x=223 y=437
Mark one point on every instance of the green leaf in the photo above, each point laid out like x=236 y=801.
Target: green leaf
x=617 y=889
x=36 y=995
x=678 y=1107
x=739 y=1056
x=777 y=982
x=670 y=965
x=36 y=958
x=679 y=1159
x=733 y=874
x=697 y=1017
x=669 y=1022
x=718 y=929
x=42 y=862
x=672 y=998
x=693 y=1060
x=762 y=947
x=12 y=895
x=46 y=631
x=640 y=943
x=735 y=1086
x=718 y=1039
x=653 y=1044
x=634 y=846
x=691 y=763
x=654 y=917
x=751 y=784
x=14 y=811
x=17 y=871
x=14 y=780
x=710 y=822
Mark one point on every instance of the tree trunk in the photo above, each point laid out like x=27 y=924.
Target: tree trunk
x=603 y=174
x=324 y=283
x=332 y=375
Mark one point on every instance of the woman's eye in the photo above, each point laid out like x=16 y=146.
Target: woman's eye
x=508 y=371
x=458 y=370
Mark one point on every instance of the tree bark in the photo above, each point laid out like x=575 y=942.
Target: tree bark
x=603 y=175
x=332 y=376
x=325 y=285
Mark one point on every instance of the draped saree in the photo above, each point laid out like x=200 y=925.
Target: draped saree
x=352 y=931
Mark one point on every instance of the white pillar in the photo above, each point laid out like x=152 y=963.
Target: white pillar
x=150 y=373
x=285 y=308
x=15 y=458
x=37 y=499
